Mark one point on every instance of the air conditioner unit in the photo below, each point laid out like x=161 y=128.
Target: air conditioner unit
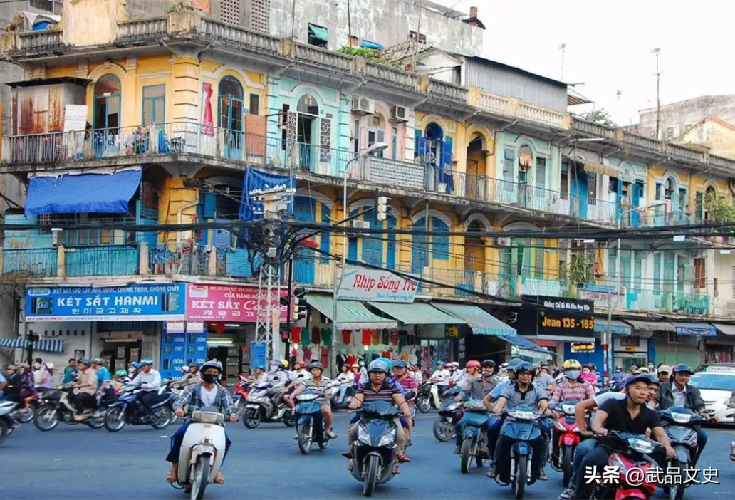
x=58 y=237
x=363 y=105
x=398 y=114
x=360 y=224
x=503 y=241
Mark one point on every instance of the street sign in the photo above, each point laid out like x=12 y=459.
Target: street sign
x=374 y=285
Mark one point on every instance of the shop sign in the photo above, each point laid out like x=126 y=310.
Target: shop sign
x=141 y=302
x=698 y=330
x=121 y=336
x=257 y=355
x=583 y=347
x=556 y=316
x=373 y=285
x=600 y=299
x=452 y=331
x=238 y=304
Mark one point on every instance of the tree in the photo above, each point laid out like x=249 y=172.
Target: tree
x=719 y=209
x=601 y=117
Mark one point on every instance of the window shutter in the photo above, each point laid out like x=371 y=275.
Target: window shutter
x=420 y=144
x=447 y=153
x=440 y=243
x=325 y=243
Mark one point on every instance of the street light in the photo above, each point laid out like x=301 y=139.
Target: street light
x=606 y=341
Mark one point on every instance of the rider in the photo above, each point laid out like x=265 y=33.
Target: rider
x=664 y=373
x=588 y=374
x=630 y=415
x=318 y=383
x=86 y=388
x=408 y=383
x=376 y=389
x=346 y=379
x=278 y=378
x=489 y=375
x=474 y=387
x=544 y=381
x=207 y=394
x=441 y=377
x=618 y=377
x=149 y=381
x=121 y=377
x=678 y=392
x=299 y=374
x=521 y=393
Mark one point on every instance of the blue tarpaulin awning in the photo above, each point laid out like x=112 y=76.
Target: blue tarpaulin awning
x=45 y=345
x=698 y=329
x=523 y=343
x=371 y=45
x=481 y=322
x=71 y=193
x=14 y=343
x=616 y=327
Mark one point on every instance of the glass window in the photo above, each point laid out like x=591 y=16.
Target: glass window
x=254 y=104
x=564 y=180
x=356 y=137
x=154 y=99
x=541 y=173
x=107 y=103
x=592 y=187
x=394 y=143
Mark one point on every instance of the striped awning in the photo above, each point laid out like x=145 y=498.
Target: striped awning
x=418 y=313
x=351 y=314
x=49 y=345
x=481 y=322
x=14 y=343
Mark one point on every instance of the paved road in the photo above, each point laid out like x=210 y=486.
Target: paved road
x=74 y=462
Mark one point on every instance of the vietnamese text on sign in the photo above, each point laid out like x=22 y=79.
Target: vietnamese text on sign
x=375 y=286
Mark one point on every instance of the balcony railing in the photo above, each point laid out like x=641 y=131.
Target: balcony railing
x=514 y=108
x=142 y=29
x=449 y=90
x=236 y=35
x=33 y=42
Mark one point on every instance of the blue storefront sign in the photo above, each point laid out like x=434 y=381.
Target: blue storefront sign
x=142 y=302
x=698 y=329
x=257 y=355
x=179 y=349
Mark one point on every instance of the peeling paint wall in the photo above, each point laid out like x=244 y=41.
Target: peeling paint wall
x=387 y=22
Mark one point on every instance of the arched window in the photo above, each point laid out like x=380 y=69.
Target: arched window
x=107 y=94
x=230 y=103
x=376 y=132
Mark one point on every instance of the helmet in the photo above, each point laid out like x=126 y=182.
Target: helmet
x=274 y=363
x=682 y=368
x=212 y=364
x=298 y=362
x=488 y=362
x=148 y=362
x=387 y=362
x=664 y=369
x=185 y=369
x=525 y=367
x=637 y=378
x=98 y=361
x=378 y=366
x=653 y=379
x=441 y=363
x=83 y=361
x=643 y=369
x=137 y=366
x=316 y=364
x=513 y=364
x=571 y=364
x=284 y=362
x=121 y=373
x=49 y=366
x=194 y=365
x=473 y=364
x=400 y=364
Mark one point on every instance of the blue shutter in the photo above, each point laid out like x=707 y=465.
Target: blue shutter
x=210 y=205
x=420 y=144
x=440 y=244
x=391 y=264
x=326 y=236
x=352 y=242
x=418 y=248
x=447 y=153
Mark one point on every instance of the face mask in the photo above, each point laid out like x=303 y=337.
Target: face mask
x=571 y=374
x=210 y=378
x=37 y=366
x=131 y=370
x=586 y=372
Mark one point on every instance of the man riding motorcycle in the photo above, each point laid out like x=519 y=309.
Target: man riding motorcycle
x=278 y=377
x=493 y=430
x=149 y=381
x=441 y=377
x=475 y=387
x=376 y=389
x=678 y=392
x=207 y=394
x=86 y=387
x=521 y=393
x=408 y=383
x=631 y=415
x=318 y=383
x=489 y=375
x=191 y=377
x=346 y=379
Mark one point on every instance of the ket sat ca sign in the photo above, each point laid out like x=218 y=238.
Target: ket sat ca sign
x=373 y=285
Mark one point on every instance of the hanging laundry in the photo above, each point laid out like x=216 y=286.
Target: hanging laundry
x=346 y=337
x=296 y=334
x=385 y=336
x=316 y=336
x=367 y=337
x=351 y=359
x=386 y=354
x=305 y=337
x=376 y=337
x=394 y=337
x=307 y=355
x=324 y=357
x=327 y=337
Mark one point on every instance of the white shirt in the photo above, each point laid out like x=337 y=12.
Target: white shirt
x=458 y=375
x=680 y=397
x=346 y=378
x=418 y=376
x=150 y=381
x=208 y=397
x=278 y=378
x=606 y=396
x=302 y=374
x=441 y=377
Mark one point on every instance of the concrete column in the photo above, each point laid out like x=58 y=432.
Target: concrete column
x=212 y=261
x=186 y=89
x=143 y=257
x=61 y=261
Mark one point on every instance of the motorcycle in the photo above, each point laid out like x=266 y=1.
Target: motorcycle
x=628 y=452
x=342 y=403
x=23 y=417
x=374 y=453
x=429 y=397
x=568 y=438
x=449 y=415
x=474 y=437
x=522 y=426
x=680 y=426
x=7 y=423
x=310 y=427
x=57 y=406
x=240 y=394
x=411 y=400
x=127 y=410
x=261 y=408
x=202 y=452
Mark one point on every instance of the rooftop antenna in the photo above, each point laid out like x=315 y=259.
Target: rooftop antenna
x=563 y=48
x=657 y=51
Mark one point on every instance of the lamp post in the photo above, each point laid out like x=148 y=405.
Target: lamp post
x=378 y=146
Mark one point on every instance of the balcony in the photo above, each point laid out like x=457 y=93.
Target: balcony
x=513 y=108
x=142 y=30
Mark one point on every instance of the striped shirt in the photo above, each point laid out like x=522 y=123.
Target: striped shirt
x=385 y=393
x=565 y=392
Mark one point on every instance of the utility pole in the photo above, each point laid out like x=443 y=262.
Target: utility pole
x=657 y=51
x=563 y=48
x=349 y=25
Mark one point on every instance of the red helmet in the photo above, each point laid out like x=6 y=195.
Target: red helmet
x=473 y=364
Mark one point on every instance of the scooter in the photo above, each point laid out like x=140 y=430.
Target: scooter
x=202 y=452
x=449 y=415
x=240 y=394
x=522 y=426
x=568 y=438
x=628 y=452
x=374 y=453
x=127 y=410
x=340 y=403
x=474 y=437
x=23 y=417
x=56 y=406
x=259 y=407
x=680 y=426
x=7 y=423
x=310 y=427
x=429 y=396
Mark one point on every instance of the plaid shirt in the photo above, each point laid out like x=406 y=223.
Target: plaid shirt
x=565 y=392
x=191 y=399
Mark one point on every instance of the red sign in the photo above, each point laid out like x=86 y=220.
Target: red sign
x=238 y=304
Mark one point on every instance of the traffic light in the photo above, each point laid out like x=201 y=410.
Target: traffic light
x=382 y=208
x=299 y=309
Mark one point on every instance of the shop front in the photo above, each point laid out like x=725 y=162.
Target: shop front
x=629 y=351
x=685 y=345
x=120 y=324
x=719 y=349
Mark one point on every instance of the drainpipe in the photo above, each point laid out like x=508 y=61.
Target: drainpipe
x=180 y=216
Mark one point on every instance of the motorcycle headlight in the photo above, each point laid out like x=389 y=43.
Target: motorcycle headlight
x=363 y=435
x=560 y=426
x=681 y=418
x=641 y=446
x=388 y=438
x=576 y=429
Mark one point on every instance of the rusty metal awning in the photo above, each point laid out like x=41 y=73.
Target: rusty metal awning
x=598 y=168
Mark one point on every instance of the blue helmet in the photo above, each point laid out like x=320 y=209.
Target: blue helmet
x=387 y=362
x=316 y=364
x=378 y=366
x=83 y=361
x=146 y=362
x=400 y=364
x=137 y=366
x=641 y=377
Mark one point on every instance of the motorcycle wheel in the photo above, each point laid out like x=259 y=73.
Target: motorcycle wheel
x=251 y=418
x=424 y=404
x=371 y=475
x=114 y=419
x=305 y=439
x=466 y=455
x=566 y=466
x=4 y=430
x=46 y=418
x=288 y=419
x=162 y=416
x=520 y=477
x=25 y=417
x=97 y=420
x=481 y=445
x=200 y=478
x=676 y=491
x=440 y=432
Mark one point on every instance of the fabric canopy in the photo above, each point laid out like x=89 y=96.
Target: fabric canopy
x=617 y=327
x=49 y=345
x=70 y=193
x=319 y=33
x=523 y=343
x=481 y=322
x=601 y=169
x=656 y=326
x=14 y=343
x=371 y=45
x=726 y=329
x=698 y=329
x=351 y=315
x=418 y=313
